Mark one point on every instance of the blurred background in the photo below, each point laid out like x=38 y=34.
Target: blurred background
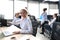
x=9 y=7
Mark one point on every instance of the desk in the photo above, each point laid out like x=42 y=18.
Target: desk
x=19 y=36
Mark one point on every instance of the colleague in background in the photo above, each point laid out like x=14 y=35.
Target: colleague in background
x=25 y=23
x=53 y=20
x=43 y=19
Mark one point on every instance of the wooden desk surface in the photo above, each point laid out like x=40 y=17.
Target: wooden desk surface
x=19 y=36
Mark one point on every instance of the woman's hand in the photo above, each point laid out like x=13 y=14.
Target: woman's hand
x=16 y=32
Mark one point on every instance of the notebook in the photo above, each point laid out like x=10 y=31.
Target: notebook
x=10 y=30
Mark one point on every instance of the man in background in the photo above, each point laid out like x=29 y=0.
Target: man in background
x=43 y=19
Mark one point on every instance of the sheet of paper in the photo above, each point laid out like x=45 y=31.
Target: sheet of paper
x=10 y=30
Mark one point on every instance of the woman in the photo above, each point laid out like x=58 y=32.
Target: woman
x=25 y=23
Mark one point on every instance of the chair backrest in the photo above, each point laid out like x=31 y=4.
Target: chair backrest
x=34 y=25
x=49 y=17
x=58 y=19
x=47 y=27
x=56 y=30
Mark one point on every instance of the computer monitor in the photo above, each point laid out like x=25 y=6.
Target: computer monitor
x=1 y=16
x=49 y=17
x=3 y=22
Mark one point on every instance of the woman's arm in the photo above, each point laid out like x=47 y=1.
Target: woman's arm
x=16 y=22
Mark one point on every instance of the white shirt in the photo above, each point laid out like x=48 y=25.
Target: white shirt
x=51 y=22
x=26 y=25
x=44 y=17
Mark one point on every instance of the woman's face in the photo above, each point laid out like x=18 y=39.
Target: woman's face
x=23 y=13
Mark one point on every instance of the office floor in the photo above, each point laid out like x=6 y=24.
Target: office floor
x=40 y=36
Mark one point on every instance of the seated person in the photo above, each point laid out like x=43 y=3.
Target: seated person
x=54 y=19
x=25 y=23
x=48 y=26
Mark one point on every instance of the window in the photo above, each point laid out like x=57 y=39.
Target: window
x=33 y=9
x=18 y=5
x=53 y=8
x=42 y=6
x=6 y=9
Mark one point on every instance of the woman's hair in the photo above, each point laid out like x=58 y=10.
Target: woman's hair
x=24 y=10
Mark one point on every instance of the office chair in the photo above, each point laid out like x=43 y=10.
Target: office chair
x=56 y=31
x=34 y=24
x=48 y=31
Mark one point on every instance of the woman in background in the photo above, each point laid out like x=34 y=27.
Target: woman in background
x=53 y=20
